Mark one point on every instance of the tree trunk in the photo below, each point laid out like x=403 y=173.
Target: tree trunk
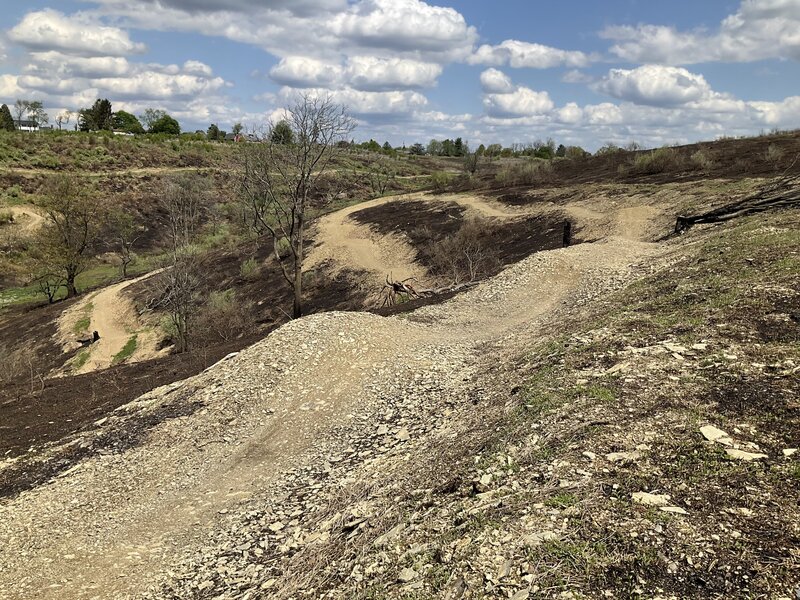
x=72 y=291
x=297 y=307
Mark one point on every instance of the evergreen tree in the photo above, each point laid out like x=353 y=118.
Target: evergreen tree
x=458 y=147
x=213 y=132
x=387 y=147
x=6 y=120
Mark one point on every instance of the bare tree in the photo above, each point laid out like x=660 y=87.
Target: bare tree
x=63 y=118
x=126 y=233
x=184 y=200
x=278 y=180
x=380 y=174
x=175 y=289
x=465 y=256
x=72 y=220
x=21 y=109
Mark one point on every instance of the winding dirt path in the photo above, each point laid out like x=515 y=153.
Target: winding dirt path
x=114 y=317
x=124 y=518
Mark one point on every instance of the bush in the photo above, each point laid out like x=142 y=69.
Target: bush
x=661 y=160
x=773 y=155
x=222 y=318
x=249 y=269
x=6 y=217
x=525 y=173
x=466 y=256
x=440 y=181
x=703 y=160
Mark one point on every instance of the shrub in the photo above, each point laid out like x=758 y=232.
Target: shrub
x=465 y=256
x=703 y=160
x=249 y=268
x=656 y=161
x=222 y=318
x=773 y=154
x=525 y=173
x=439 y=181
x=6 y=217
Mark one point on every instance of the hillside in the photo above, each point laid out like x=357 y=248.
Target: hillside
x=613 y=418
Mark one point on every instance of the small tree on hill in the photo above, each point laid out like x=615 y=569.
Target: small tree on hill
x=237 y=129
x=279 y=179
x=213 y=132
x=72 y=223
x=6 y=120
x=63 y=118
x=166 y=124
x=37 y=114
x=125 y=121
x=282 y=133
x=150 y=116
x=21 y=109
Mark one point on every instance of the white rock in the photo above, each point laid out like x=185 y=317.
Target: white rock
x=713 y=434
x=403 y=435
x=742 y=455
x=673 y=509
x=787 y=452
x=407 y=575
x=650 y=499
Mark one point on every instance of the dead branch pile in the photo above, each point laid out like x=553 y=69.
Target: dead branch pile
x=782 y=192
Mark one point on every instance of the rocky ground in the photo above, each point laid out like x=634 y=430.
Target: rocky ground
x=615 y=419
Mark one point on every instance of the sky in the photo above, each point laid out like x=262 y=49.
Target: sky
x=507 y=71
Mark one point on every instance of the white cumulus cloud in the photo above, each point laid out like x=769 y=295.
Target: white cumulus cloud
x=758 y=30
x=655 y=84
x=517 y=54
x=51 y=30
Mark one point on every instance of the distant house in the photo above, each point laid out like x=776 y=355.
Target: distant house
x=24 y=125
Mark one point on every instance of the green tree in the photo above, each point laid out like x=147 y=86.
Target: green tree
x=21 y=108
x=36 y=113
x=481 y=150
x=459 y=148
x=6 y=120
x=213 y=132
x=237 y=129
x=96 y=118
x=417 y=149
x=166 y=124
x=561 y=150
x=72 y=224
x=387 y=147
x=150 y=116
x=125 y=121
x=282 y=133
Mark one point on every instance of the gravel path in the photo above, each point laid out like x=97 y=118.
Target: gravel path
x=208 y=487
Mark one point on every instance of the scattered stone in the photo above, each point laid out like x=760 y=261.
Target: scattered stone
x=673 y=509
x=521 y=595
x=403 y=435
x=650 y=499
x=742 y=455
x=623 y=456
x=713 y=434
x=787 y=452
x=535 y=539
x=406 y=575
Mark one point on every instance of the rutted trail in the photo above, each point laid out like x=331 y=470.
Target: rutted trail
x=231 y=441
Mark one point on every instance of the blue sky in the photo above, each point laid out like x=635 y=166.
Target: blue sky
x=581 y=72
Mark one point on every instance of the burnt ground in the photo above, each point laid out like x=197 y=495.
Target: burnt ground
x=423 y=223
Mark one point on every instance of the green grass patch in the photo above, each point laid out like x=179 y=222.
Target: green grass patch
x=80 y=359
x=127 y=350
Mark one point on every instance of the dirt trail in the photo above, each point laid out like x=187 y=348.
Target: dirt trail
x=25 y=217
x=114 y=317
x=29 y=172
x=250 y=424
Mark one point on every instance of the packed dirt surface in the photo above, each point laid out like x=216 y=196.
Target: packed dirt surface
x=26 y=218
x=349 y=448
x=113 y=316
